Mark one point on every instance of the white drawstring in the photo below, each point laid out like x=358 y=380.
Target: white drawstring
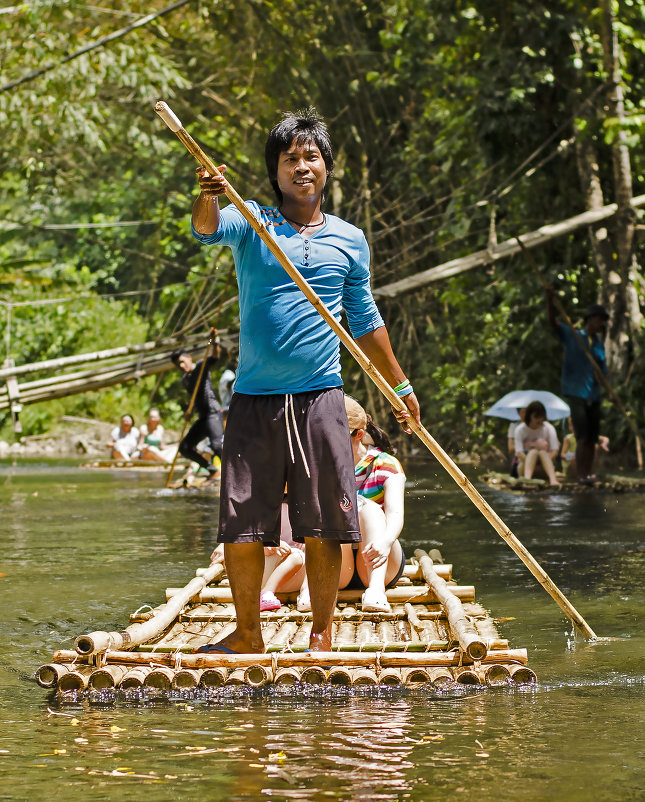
x=288 y=406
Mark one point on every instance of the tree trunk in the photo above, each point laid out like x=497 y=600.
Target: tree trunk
x=619 y=293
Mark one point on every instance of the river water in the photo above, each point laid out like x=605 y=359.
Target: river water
x=80 y=550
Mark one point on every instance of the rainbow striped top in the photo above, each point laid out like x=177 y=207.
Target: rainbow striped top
x=373 y=471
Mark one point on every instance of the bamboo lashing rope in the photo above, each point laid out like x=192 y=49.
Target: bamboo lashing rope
x=600 y=376
x=173 y=122
x=189 y=411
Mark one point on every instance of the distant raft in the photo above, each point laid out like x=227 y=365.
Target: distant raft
x=614 y=483
x=436 y=636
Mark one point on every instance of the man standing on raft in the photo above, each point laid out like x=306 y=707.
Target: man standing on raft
x=287 y=421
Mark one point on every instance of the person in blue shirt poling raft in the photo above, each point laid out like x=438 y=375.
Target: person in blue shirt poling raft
x=579 y=383
x=286 y=421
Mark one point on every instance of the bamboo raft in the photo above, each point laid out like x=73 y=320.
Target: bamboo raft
x=436 y=636
x=614 y=483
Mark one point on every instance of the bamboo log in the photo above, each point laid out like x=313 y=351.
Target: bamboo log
x=135 y=634
x=417 y=675
x=464 y=631
x=363 y=676
x=256 y=675
x=135 y=677
x=160 y=677
x=76 y=679
x=236 y=677
x=186 y=678
x=340 y=675
x=390 y=676
x=400 y=594
x=313 y=675
x=212 y=677
x=467 y=676
x=495 y=675
x=286 y=676
x=288 y=659
x=48 y=676
x=413 y=571
x=440 y=677
x=522 y=675
x=107 y=677
x=173 y=122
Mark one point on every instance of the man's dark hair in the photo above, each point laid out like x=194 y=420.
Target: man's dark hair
x=177 y=354
x=302 y=127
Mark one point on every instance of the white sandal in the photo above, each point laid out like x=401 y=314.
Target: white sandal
x=373 y=601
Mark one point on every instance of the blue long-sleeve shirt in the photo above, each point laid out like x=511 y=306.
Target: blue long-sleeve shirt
x=578 y=378
x=285 y=345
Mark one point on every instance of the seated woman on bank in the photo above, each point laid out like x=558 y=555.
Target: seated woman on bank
x=378 y=561
x=536 y=441
x=151 y=438
x=124 y=439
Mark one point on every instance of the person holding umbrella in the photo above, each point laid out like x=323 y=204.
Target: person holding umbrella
x=580 y=386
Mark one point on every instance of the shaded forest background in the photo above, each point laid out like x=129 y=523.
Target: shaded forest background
x=455 y=124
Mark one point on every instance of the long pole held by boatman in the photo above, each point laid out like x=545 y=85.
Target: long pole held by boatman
x=172 y=121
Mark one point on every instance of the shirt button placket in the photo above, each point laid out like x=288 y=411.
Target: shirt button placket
x=306 y=253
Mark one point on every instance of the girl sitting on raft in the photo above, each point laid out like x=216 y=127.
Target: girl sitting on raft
x=536 y=439
x=378 y=561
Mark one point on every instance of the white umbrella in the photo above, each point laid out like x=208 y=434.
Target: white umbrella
x=508 y=405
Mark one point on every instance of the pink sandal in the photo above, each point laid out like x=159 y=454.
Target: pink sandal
x=269 y=601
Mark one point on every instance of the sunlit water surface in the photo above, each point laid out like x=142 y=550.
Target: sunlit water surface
x=80 y=550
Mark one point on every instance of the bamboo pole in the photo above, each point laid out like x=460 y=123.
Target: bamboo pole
x=286 y=676
x=160 y=678
x=76 y=679
x=600 y=376
x=522 y=675
x=467 y=676
x=340 y=675
x=136 y=634
x=189 y=411
x=418 y=594
x=135 y=678
x=313 y=675
x=440 y=677
x=390 y=676
x=495 y=675
x=363 y=676
x=417 y=675
x=468 y=637
x=212 y=678
x=107 y=677
x=49 y=675
x=186 y=678
x=173 y=122
x=289 y=659
x=257 y=676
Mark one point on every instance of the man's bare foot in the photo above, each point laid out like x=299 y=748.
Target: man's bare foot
x=242 y=644
x=320 y=642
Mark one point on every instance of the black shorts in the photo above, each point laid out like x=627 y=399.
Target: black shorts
x=356 y=583
x=585 y=417
x=261 y=454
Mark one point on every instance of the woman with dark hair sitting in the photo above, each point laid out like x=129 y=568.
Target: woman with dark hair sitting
x=378 y=562
x=536 y=440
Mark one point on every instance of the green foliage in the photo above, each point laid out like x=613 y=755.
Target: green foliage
x=441 y=113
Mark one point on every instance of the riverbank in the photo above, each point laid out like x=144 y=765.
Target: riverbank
x=72 y=437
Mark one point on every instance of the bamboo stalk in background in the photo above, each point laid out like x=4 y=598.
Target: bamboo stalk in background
x=136 y=634
x=189 y=411
x=600 y=376
x=173 y=122
x=468 y=637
